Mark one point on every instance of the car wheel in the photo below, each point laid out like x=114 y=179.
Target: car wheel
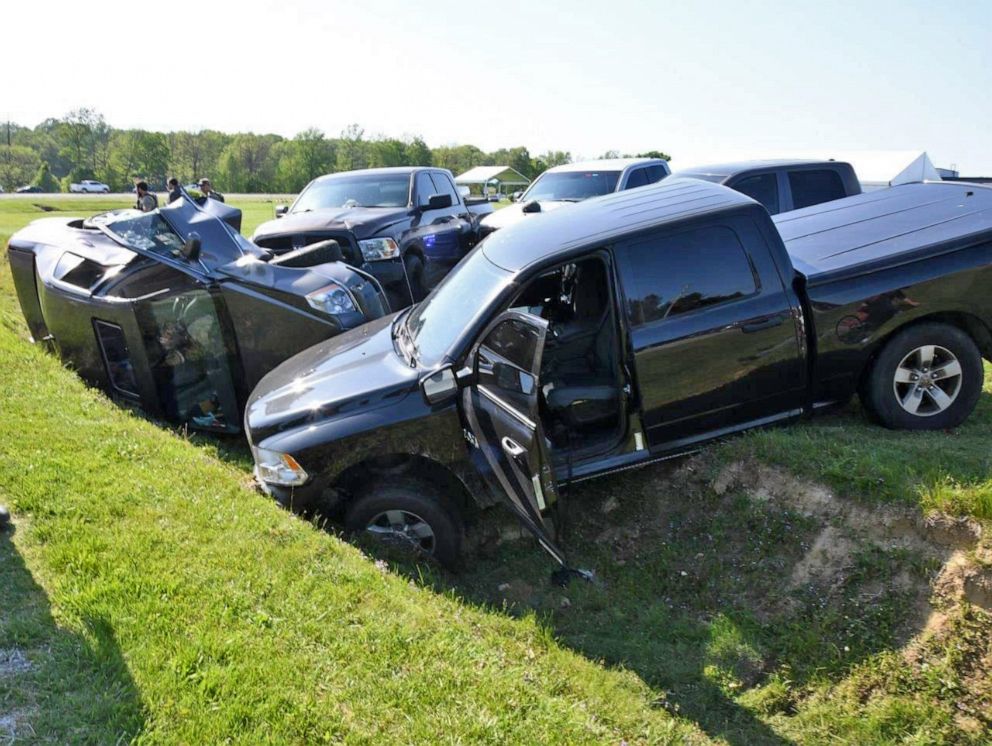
x=411 y=516
x=415 y=274
x=927 y=377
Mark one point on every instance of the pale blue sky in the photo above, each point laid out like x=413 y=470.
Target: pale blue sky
x=700 y=80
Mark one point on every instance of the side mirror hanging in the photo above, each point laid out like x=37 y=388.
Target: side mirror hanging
x=439 y=386
x=281 y=210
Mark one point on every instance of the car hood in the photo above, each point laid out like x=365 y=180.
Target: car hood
x=514 y=213
x=362 y=221
x=354 y=372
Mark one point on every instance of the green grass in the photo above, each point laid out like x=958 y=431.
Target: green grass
x=158 y=598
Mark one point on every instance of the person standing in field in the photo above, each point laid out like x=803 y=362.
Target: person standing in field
x=174 y=191
x=208 y=191
x=146 y=200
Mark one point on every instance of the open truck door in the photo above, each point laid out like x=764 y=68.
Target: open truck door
x=501 y=409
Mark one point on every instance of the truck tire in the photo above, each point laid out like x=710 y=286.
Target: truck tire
x=927 y=377
x=409 y=514
x=415 y=274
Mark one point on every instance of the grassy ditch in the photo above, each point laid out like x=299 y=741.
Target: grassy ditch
x=820 y=584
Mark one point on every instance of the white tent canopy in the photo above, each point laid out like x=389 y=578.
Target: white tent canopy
x=493 y=175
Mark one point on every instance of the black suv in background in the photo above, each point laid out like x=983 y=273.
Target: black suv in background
x=783 y=185
x=406 y=226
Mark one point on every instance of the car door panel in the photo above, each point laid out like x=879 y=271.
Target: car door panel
x=501 y=413
x=714 y=331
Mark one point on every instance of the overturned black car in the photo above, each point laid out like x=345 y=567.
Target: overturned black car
x=174 y=311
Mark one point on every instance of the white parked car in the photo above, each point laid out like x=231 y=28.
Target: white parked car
x=88 y=186
x=575 y=182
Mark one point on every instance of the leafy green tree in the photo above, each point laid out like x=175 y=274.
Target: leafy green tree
x=653 y=154
x=45 y=179
x=417 y=152
x=84 y=135
x=386 y=152
x=246 y=164
x=351 y=149
x=137 y=154
x=17 y=165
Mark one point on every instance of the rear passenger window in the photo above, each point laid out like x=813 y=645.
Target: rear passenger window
x=762 y=188
x=637 y=178
x=814 y=187
x=671 y=275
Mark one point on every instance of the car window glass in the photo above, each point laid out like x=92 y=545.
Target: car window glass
x=425 y=187
x=670 y=275
x=148 y=231
x=762 y=188
x=814 y=187
x=656 y=173
x=116 y=358
x=506 y=361
x=443 y=185
x=637 y=178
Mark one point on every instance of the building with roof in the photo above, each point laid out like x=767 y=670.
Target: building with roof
x=497 y=179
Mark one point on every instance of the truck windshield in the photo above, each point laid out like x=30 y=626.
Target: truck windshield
x=454 y=306
x=572 y=186
x=142 y=230
x=367 y=190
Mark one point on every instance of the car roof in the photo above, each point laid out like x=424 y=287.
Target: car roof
x=396 y=170
x=601 y=219
x=737 y=167
x=604 y=164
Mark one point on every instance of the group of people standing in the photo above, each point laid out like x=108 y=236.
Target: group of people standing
x=148 y=200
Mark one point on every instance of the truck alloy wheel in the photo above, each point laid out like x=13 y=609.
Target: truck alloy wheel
x=412 y=515
x=927 y=380
x=927 y=377
x=404 y=528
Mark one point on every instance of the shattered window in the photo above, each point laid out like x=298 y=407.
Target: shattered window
x=191 y=363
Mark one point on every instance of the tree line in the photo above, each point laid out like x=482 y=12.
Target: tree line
x=81 y=145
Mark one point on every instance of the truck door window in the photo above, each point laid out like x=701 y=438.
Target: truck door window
x=424 y=188
x=637 y=178
x=762 y=188
x=670 y=275
x=814 y=187
x=656 y=173
x=443 y=185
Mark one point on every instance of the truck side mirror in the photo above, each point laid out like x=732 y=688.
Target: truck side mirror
x=440 y=386
x=438 y=202
x=532 y=206
x=191 y=249
x=281 y=210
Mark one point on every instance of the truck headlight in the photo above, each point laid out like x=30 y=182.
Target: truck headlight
x=377 y=249
x=332 y=300
x=278 y=468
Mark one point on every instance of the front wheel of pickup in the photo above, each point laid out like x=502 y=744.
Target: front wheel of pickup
x=927 y=377
x=412 y=517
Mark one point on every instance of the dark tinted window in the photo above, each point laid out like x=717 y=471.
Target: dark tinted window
x=814 y=187
x=763 y=188
x=443 y=185
x=656 y=173
x=508 y=371
x=424 y=187
x=670 y=275
x=116 y=358
x=516 y=341
x=636 y=178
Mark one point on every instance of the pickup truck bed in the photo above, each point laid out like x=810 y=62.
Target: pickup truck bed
x=885 y=228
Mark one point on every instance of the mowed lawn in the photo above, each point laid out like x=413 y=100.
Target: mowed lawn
x=149 y=593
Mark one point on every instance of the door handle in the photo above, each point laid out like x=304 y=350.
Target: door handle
x=512 y=448
x=757 y=326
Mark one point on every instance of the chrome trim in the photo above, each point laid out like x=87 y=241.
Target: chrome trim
x=507 y=407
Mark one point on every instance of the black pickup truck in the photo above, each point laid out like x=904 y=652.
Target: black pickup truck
x=627 y=329
x=406 y=226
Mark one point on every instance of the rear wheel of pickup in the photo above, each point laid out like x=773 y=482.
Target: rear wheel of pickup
x=927 y=377
x=410 y=516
